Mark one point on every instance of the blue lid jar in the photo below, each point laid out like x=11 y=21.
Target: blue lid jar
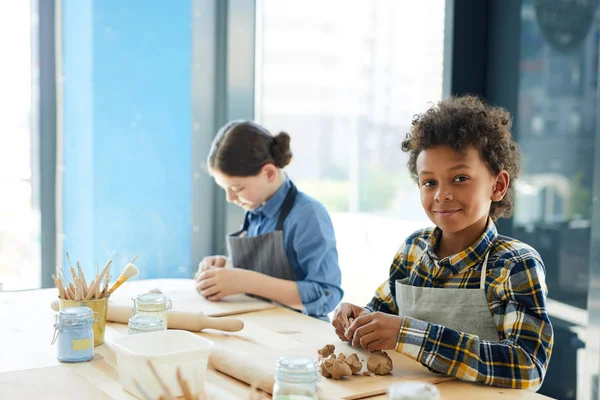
x=144 y=324
x=74 y=333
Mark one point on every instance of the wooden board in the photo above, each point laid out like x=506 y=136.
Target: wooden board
x=357 y=386
x=185 y=298
x=58 y=383
x=305 y=338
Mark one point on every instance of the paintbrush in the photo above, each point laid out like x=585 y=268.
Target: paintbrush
x=129 y=272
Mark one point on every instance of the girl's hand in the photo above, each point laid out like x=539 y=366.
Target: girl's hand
x=375 y=331
x=341 y=318
x=216 y=283
x=211 y=262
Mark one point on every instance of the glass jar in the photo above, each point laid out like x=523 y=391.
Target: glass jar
x=152 y=304
x=296 y=378
x=144 y=324
x=73 y=330
x=413 y=391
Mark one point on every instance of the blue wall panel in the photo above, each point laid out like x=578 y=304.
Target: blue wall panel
x=127 y=134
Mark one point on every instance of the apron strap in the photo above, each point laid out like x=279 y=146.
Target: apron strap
x=287 y=205
x=246 y=222
x=484 y=270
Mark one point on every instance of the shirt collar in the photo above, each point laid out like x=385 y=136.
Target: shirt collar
x=470 y=256
x=272 y=206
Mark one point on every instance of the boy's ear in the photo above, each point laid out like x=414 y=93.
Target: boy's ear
x=501 y=186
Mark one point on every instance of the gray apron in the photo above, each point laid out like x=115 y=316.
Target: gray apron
x=464 y=310
x=264 y=253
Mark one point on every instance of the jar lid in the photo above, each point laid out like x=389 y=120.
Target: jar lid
x=413 y=391
x=73 y=313
x=145 y=322
x=296 y=368
x=151 y=298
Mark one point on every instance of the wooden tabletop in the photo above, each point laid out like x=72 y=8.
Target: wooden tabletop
x=26 y=329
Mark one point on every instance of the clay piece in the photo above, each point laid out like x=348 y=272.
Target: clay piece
x=366 y=373
x=341 y=357
x=326 y=367
x=354 y=363
x=340 y=369
x=380 y=363
x=327 y=350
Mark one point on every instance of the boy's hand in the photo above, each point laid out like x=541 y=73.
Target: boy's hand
x=375 y=331
x=210 y=262
x=216 y=283
x=342 y=315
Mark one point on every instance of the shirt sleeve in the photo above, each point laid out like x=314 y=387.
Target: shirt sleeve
x=385 y=295
x=521 y=357
x=314 y=245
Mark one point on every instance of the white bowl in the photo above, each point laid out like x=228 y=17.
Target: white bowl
x=167 y=350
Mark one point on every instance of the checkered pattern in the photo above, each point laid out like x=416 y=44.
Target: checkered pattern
x=516 y=291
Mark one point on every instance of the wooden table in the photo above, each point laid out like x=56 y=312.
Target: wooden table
x=26 y=328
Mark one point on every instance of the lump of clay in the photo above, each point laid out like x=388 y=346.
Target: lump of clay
x=340 y=369
x=380 y=363
x=326 y=367
x=366 y=373
x=341 y=357
x=327 y=350
x=354 y=363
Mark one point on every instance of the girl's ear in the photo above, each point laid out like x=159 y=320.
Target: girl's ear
x=501 y=186
x=270 y=172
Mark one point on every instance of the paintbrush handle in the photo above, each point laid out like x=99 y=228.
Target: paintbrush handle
x=116 y=285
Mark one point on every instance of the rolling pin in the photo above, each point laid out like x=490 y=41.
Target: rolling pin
x=241 y=368
x=194 y=322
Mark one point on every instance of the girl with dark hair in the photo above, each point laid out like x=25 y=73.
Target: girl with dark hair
x=286 y=249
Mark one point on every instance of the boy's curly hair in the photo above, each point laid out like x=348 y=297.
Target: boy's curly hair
x=460 y=122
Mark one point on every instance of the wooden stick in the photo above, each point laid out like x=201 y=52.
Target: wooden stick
x=71 y=292
x=106 y=282
x=73 y=274
x=90 y=287
x=97 y=282
x=139 y=387
x=61 y=288
x=183 y=384
x=85 y=286
x=162 y=384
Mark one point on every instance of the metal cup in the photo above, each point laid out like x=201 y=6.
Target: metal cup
x=99 y=307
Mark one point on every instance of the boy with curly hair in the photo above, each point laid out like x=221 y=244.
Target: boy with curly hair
x=460 y=298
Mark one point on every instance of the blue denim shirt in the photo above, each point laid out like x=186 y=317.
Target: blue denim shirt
x=309 y=242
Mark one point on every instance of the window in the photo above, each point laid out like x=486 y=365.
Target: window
x=345 y=88
x=20 y=251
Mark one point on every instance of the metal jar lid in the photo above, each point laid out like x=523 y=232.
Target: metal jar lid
x=145 y=323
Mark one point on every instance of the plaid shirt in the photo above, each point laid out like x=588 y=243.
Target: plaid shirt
x=516 y=292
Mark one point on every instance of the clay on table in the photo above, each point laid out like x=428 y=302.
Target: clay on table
x=340 y=369
x=326 y=350
x=354 y=363
x=380 y=363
